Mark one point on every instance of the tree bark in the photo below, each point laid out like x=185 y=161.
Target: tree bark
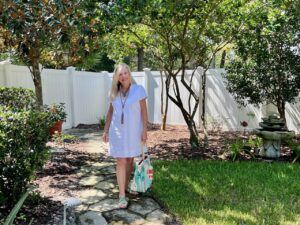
x=37 y=80
x=164 y=110
x=281 y=110
x=213 y=63
x=194 y=137
x=223 y=58
x=204 y=108
x=140 y=58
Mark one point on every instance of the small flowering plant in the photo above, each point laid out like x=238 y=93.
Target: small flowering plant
x=57 y=112
x=244 y=123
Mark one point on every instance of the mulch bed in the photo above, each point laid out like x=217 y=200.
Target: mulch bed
x=173 y=144
x=57 y=180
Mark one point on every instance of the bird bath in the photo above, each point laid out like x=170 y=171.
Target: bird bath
x=272 y=131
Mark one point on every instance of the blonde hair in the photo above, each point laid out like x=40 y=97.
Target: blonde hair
x=115 y=86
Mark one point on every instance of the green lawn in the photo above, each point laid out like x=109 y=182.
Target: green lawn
x=216 y=192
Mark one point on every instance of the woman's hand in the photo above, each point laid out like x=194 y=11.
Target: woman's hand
x=105 y=137
x=144 y=137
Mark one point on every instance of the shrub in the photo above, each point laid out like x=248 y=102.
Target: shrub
x=23 y=138
x=295 y=147
x=17 y=98
x=102 y=122
x=235 y=148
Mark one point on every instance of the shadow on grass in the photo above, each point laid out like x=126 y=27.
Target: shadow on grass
x=214 y=192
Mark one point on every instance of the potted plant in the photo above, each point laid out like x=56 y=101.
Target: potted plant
x=57 y=115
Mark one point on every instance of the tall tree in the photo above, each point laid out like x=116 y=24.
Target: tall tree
x=31 y=29
x=266 y=68
x=180 y=33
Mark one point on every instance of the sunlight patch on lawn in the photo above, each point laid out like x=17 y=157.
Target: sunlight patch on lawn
x=216 y=192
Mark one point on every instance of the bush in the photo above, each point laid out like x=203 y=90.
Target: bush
x=102 y=122
x=295 y=147
x=235 y=148
x=23 y=138
x=17 y=98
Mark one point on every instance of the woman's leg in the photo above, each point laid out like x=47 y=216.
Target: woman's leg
x=129 y=168
x=122 y=175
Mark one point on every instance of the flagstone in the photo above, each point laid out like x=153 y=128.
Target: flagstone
x=105 y=205
x=125 y=216
x=92 y=218
x=90 y=196
x=91 y=180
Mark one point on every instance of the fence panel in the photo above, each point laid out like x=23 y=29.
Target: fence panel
x=85 y=95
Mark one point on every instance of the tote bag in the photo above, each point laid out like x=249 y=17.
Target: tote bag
x=143 y=173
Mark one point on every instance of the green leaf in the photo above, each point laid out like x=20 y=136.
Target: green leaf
x=11 y=217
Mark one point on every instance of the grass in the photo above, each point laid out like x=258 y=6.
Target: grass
x=218 y=192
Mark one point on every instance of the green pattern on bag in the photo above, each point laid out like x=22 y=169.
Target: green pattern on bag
x=143 y=175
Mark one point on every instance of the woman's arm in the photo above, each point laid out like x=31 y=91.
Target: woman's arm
x=144 y=119
x=107 y=122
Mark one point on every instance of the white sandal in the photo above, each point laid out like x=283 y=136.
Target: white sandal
x=123 y=202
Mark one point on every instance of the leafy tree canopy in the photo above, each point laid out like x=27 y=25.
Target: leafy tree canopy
x=267 y=63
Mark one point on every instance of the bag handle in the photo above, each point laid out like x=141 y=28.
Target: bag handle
x=142 y=150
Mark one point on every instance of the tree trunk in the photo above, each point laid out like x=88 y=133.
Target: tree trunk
x=163 y=110
x=213 y=63
x=164 y=119
x=194 y=137
x=223 y=58
x=281 y=110
x=37 y=80
x=140 y=59
x=204 y=109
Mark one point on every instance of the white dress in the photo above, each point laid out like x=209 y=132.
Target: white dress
x=125 y=140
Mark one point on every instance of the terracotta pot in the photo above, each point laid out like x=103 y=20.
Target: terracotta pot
x=56 y=128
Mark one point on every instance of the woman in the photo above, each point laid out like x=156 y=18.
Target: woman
x=126 y=125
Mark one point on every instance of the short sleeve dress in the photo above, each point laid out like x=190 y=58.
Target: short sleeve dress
x=125 y=139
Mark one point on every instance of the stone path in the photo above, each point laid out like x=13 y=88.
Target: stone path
x=99 y=193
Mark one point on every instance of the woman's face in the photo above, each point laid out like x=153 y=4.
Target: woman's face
x=123 y=76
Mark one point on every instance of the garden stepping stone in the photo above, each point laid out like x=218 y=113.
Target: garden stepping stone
x=100 y=165
x=91 y=180
x=97 y=168
x=106 y=185
x=105 y=205
x=144 y=206
x=108 y=170
x=125 y=216
x=158 y=215
x=81 y=208
x=91 y=196
x=154 y=223
x=92 y=218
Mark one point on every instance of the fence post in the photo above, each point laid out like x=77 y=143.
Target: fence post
x=146 y=79
x=71 y=71
x=147 y=74
x=3 y=72
x=106 y=89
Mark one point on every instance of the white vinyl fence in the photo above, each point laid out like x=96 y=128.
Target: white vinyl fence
x=85 y=95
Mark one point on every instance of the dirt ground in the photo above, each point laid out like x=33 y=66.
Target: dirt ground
x=58 y=180
x=173 y=144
